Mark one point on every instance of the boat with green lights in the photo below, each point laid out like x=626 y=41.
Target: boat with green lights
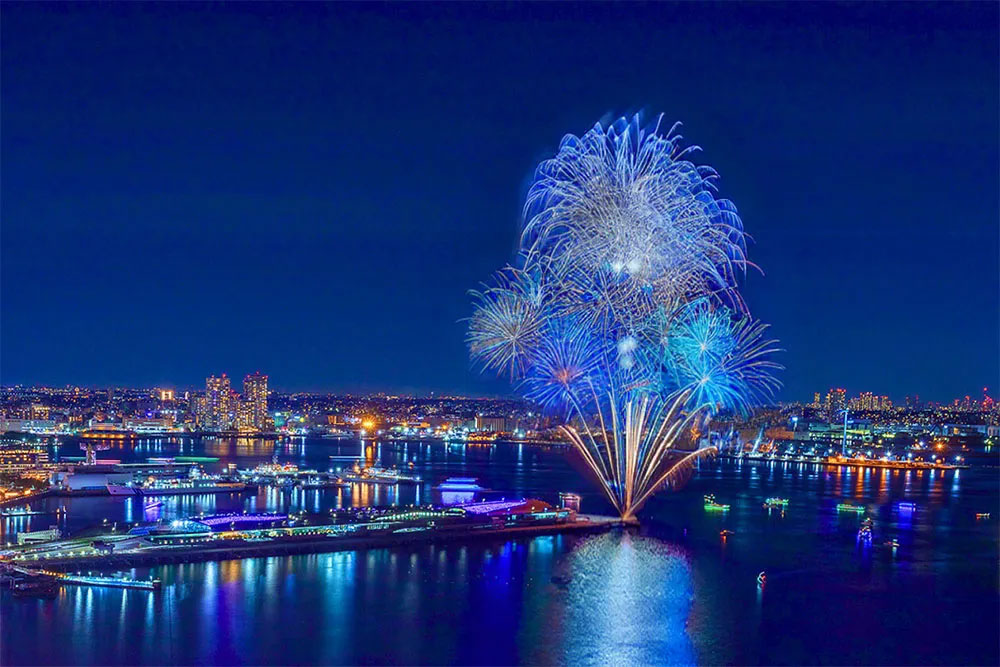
x=847 y=507
x=712 y=506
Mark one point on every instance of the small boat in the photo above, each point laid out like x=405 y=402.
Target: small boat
x=982 y=515
x=776 y=504
x=36 y=589
x=847 y=507
x=892 y=543
x=152 y=505
x=378 y=475
x=726 y=533
x=460 y=484
x=713 y=506
x=865 y=532
x=762 y=579
x=24 y=513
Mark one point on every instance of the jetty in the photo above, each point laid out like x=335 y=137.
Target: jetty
x=413 y=527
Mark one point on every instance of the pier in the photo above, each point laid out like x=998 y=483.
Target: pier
x=234 y=549
x=66 y=579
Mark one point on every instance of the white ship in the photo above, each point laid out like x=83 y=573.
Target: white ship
x=120 y=490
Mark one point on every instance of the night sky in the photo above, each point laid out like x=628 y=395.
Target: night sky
x=310 y=190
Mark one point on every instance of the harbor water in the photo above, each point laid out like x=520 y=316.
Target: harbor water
x=675 y=591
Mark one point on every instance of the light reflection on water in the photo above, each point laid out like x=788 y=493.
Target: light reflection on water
x=627 y=602
x=677 y=593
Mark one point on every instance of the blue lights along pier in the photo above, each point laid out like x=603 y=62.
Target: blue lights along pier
x=244 y=535
x=23 y=579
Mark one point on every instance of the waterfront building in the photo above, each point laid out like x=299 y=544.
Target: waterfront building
x=493 y=424
x=19 y=456
x=218 y=406
x=149 y=424
x=245 y=417
x=27 y=425
x=570 y=501
x=255 y=399
x=38 y=536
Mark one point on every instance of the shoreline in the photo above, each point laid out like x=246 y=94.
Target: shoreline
x=239 y=550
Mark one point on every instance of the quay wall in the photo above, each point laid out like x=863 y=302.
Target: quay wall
x=236 y=550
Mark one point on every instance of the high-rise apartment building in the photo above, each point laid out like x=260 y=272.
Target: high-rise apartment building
x=244 y=417
x=218 y=407
x=836 y=399
x=255 y=400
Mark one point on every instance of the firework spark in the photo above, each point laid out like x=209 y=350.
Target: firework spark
x=624 y=310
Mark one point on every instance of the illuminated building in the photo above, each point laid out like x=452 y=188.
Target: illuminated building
x=494 y=424
x=218 y=407
x=869 y=401
x=149 y=424
x=570 y=501
x=255 y=400
x=22 y=457
x=166 y=395
x=836 y=399
x=244 y=417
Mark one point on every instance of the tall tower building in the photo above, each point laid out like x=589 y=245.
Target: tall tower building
x=218 y=406
x=255 y=397
x=836 y=399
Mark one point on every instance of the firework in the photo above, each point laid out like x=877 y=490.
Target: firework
x=623 y=311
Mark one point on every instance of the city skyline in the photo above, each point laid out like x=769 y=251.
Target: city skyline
x=879 y=257
x=817 y=398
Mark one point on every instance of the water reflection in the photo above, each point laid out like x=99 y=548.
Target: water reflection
x=626 y=602
x=618 y=599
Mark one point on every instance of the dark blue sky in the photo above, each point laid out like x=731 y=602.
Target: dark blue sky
x=310 y=190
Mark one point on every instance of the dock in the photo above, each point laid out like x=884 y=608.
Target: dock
x=66 y=579
x=234 y=549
